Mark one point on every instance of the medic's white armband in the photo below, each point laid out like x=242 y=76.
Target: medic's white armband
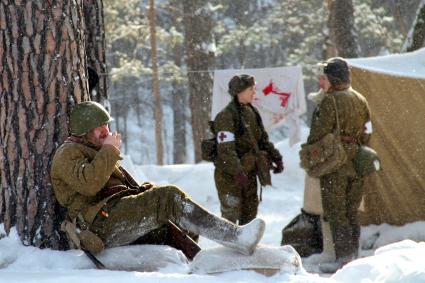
x=368 y=127
x=224 y=136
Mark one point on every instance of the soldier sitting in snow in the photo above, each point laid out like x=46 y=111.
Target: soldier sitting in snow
x=103 y=198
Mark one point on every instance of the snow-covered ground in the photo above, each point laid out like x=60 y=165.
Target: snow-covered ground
x=401 y=261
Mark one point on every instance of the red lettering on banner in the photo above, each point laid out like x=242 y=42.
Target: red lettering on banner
x=283 y=96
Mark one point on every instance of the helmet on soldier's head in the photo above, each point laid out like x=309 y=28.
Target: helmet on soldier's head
x=366 y=161
x=86 y=116
x=337 y=71
x=239 y=83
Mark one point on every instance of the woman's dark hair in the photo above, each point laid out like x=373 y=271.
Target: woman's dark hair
x=239 y=83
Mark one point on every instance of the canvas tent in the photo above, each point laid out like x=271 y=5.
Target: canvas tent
x=394 y=86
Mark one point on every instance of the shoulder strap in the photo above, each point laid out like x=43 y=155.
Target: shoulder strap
x=336 y=115
x=254 y=144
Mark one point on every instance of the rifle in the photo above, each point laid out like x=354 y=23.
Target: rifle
x=181 y=241
x=95 y=260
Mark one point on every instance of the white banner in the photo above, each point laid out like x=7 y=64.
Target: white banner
x=280 y=96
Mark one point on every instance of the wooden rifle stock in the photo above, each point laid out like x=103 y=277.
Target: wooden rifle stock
x=182 y=241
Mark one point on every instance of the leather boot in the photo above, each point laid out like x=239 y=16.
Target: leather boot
x=355 y=239
x=244 y=238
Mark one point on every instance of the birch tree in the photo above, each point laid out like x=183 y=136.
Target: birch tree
x=416 y=36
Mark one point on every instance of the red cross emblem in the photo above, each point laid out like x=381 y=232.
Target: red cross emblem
x=222 y=136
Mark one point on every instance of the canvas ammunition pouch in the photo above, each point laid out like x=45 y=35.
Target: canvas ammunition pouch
x=326 y=155
x=209 y=146
x=80 y=237
x=209 y=149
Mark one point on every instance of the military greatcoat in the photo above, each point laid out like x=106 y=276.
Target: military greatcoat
x=239 y=131
x=342 y=190
x=81 y=174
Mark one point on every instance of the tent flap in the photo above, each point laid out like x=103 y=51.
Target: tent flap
x=396 y=194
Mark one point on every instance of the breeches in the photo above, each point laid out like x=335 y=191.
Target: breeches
x=131 y=217
x=236 y=204
x=341 y=196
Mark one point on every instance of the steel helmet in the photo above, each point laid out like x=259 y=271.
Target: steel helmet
x=366 y=161
x=86 y=116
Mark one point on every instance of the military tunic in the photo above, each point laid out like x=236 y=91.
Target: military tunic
x=342 y=190
x=81 y=172
x=238 y=155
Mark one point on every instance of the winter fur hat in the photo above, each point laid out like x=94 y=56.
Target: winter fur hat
x=239 y=83
x=337 y=71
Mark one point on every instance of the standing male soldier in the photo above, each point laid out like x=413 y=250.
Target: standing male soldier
x=342 y=190
x=102 y=197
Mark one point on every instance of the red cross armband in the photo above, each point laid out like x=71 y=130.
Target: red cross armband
x=224 y=136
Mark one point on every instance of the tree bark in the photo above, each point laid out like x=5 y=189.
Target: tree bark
x=155 y=86
x=198 y=26
x=96 y=46
x=179 y=114
x=416 y=37
x=42 y=74
x=329 y=46
x=341 y=28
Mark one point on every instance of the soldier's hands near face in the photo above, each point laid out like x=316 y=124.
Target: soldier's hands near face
x=113 y=139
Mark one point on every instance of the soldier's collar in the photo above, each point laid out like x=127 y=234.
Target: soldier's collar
x=82 y=140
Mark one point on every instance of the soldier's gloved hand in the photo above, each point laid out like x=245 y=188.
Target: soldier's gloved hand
x=278 y=166
x=241 y=180
x=146 y=186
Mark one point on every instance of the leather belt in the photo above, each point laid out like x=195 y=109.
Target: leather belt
x=348 y=139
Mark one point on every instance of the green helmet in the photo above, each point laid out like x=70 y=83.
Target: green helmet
x=86 y=116
x=366 y=161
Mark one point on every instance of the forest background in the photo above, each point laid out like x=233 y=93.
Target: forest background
x=155 y=61
x=227 y=35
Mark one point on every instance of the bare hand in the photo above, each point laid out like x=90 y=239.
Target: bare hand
x=113 y=139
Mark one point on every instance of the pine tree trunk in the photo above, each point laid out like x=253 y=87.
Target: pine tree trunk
x=198 y=26
x=155 y=86
x=96 y=46
x=329 y=46
x=341 y=27
x=42 y=74
x=416 y=36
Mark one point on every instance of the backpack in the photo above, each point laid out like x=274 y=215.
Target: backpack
x=209 y=146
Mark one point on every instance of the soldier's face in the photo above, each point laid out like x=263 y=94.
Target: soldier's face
x=324 y=83
x=247 y=96
x=98 y=135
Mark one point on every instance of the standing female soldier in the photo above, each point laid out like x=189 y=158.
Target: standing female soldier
x=244 y=151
